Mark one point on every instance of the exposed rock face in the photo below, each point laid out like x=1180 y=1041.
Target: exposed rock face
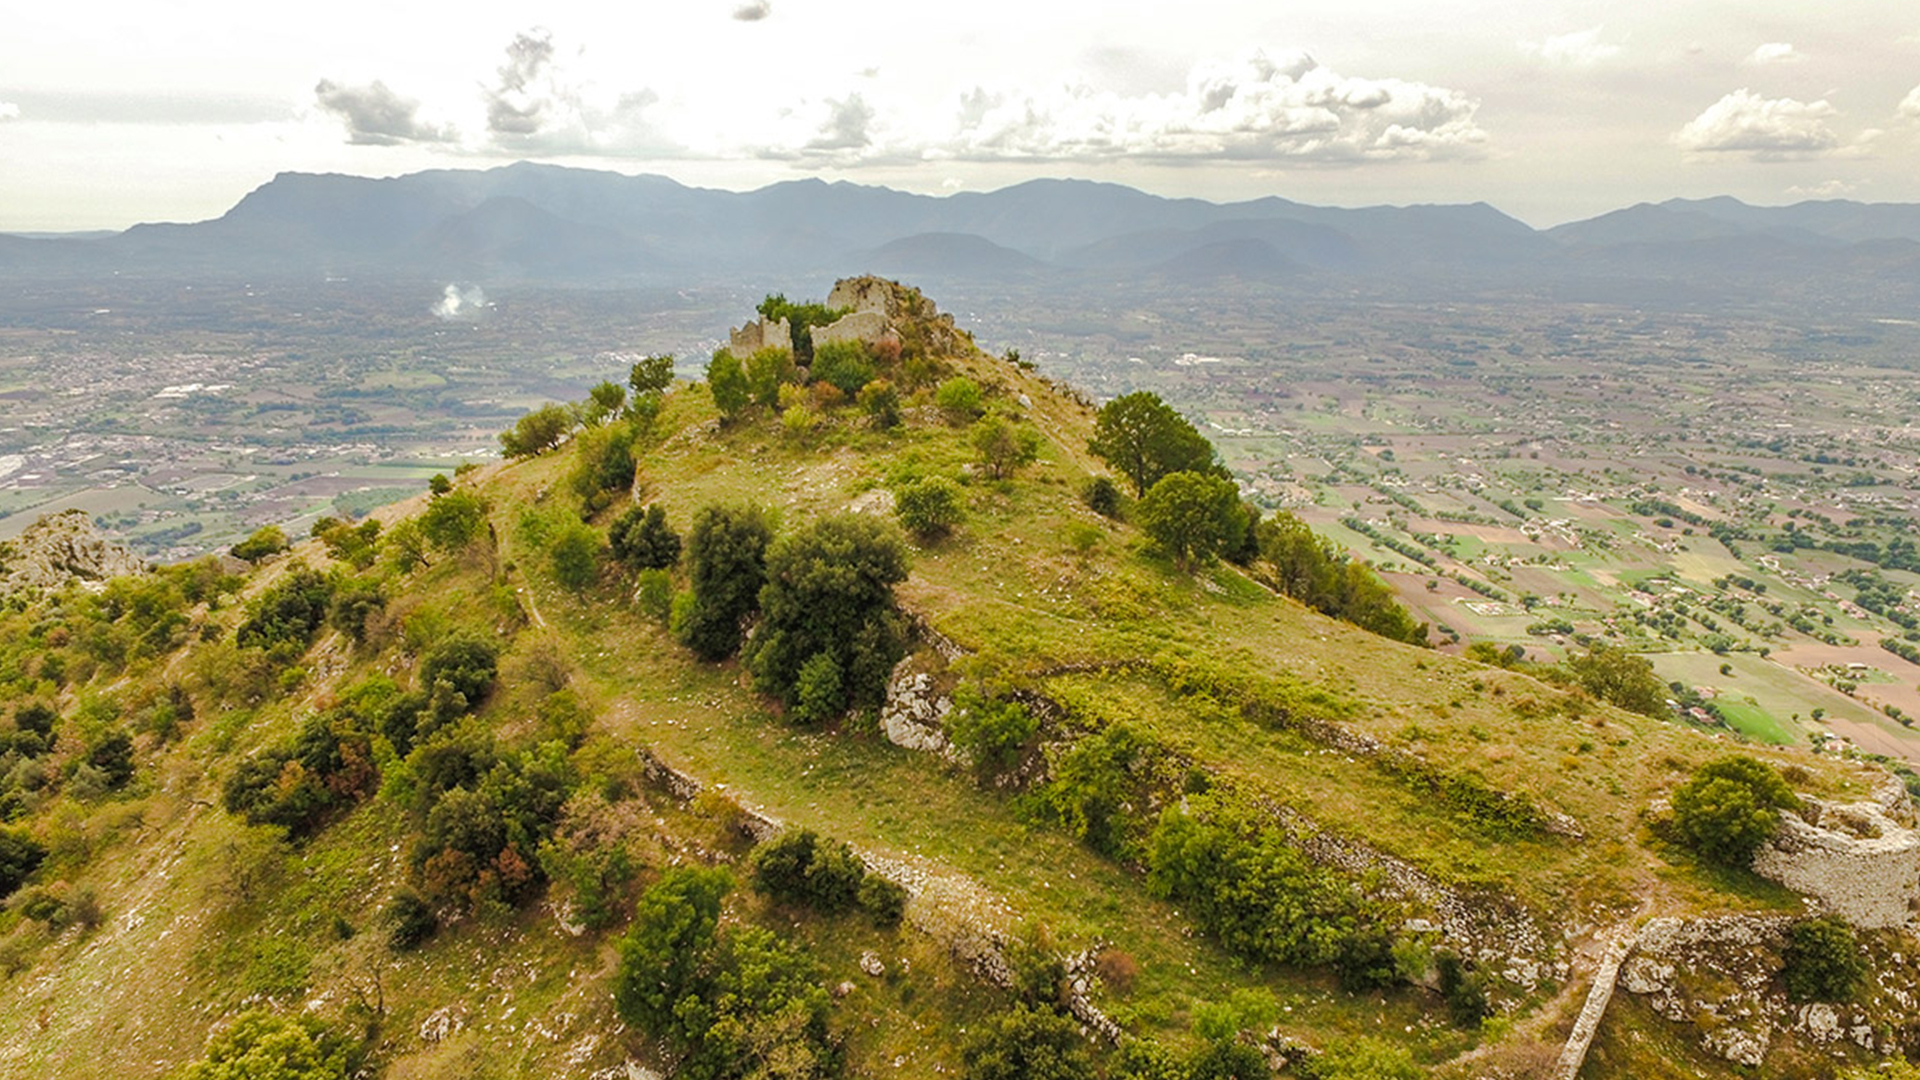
x=1854 y=860
x=1719 y=976
x=59 y=549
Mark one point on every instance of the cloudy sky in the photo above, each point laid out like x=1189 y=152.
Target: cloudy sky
x=113 y=111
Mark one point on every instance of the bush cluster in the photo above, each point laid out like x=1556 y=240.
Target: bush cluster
x=728 y=1002
x=799 y=866
x=1730 y=807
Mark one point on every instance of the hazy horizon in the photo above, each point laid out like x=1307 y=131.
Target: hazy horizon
x=1550 y=111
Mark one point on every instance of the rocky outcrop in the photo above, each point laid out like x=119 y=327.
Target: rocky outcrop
x=1854 y=860
x=1718 y=976
x=60 y=549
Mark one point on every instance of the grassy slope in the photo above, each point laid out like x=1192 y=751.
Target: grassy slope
x=204 y=916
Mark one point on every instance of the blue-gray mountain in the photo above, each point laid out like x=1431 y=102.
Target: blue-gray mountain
x=547 y=223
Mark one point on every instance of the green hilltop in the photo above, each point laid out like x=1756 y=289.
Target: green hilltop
x=855 y=717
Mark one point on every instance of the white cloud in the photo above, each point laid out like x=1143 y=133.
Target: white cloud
x=1909 y=108
x=1582 y=48
x=1776 y=52
x=535 y=106
x=1769 y=129
x=376 y=116
x=9 y=111
x=753 y=11
x=1256 y=108
x=1826 y=189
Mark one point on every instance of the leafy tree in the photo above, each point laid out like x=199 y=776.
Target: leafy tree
x=537 y=431
x=1620 y=677
x=266 y=540
x=930 y=507
x=603 y=400
x=1318 y=573
x=1192 y=516
x=829 y=591
x=351 y=544
x=438 y=484
x=667 y=952
x=651 y=374
x=1003 y=447
x=575 y=555
x=1027 y=1044
x=642 y=539
x=1464 y=990
x=112 y=756
x=20 y=856
x=728 y=382
x=1142 y=437
x=1095 y=787
x=726 y=563
x=1102 y=496
x=1730 y=807
x=261 y=1045
x=960 y=398
x=454 y=521
x=845 y=365
x=884 y=900
x=1822 y=961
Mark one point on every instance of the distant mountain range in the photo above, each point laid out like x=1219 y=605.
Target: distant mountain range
x=545 y=223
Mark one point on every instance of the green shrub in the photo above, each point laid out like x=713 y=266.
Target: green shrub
x=537 y=431
x=642 y=539
x=846 y=365
x=462 y=663
x=666 y=950
x=1730 y=808
x=819 y=694
x=288 y=613
x=262 y=1045
x=575 y=556
x=798 y=866
x=605 y=460
x=727 y=380
x=885 y=901
x=1027 y=1044
x=1192 y=516
x=726 y=563
x=651 y=374
x=265 y=541
x=1096 y=786
x=993 y=734
x=1002 y=448
x=20 y=856
x=881 y=401
x=829 y=591
x=653 y=594
x=1821 y=961
x=928 y=508
x=1102 y=496
x=1464 y=990
x=960 y=399
x=1361 y=1058
x=410 y=921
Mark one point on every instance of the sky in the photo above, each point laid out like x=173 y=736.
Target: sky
x=114 y=111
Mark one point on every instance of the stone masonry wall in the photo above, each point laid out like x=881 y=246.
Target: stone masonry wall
x=1853 y=860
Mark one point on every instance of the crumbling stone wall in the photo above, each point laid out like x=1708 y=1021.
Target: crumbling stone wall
x=1854 y=860
x=867 y=326
x=760 y=334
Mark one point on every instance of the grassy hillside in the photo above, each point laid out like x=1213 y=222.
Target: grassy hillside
x=1468 y=812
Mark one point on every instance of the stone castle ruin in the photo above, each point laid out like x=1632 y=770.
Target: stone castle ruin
x=1855 y=860
x=876 y=309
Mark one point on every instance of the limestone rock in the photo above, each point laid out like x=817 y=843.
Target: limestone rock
x=60 y=549
x=871 y=964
